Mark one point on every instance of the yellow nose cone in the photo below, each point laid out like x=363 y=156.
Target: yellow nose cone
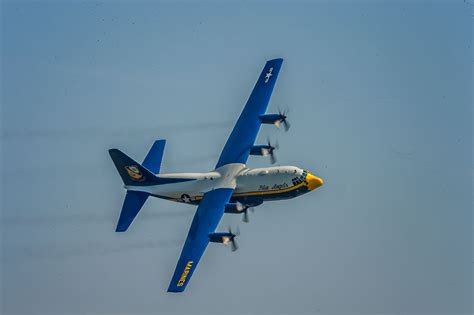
x=313 y=181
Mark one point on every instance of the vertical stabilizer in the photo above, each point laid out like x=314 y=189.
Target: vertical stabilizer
x=155 y=156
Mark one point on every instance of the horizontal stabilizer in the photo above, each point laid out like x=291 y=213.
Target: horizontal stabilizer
x=132 y=204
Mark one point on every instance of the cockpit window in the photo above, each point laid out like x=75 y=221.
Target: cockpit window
x=300 y=179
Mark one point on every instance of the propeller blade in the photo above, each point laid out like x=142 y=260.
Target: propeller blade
x=271 y=150
x=286 y=124
x=272 y=158
x=237 y=231
x=283 y=120
x=246 y=217
x=246 y=214
x=234 y=245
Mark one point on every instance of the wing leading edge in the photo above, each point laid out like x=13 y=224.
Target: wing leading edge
x=242 y=138
x=205 y=221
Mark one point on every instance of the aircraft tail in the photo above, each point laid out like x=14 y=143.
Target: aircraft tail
x=134 y=174
x=138 y=175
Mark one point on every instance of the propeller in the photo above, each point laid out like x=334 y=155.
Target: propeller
x=245 y=218
x=283 y=116
x=271 y=150
x=233 y=244
x=244 y=208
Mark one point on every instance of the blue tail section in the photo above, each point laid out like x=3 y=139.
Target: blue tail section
x=134 y=200
x=155 y=156
x=132 y=204
x=135 y=174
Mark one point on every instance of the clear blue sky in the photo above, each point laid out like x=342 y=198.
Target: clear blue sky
x=381 y=108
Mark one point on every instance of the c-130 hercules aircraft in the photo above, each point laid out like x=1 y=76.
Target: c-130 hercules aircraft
x=230 y=188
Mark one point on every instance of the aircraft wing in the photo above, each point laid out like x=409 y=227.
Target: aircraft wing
x=242 y=138
x=236 y=150
x=206 y=219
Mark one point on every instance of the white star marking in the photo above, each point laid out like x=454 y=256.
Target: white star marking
x=186 y=198
x=268 y=75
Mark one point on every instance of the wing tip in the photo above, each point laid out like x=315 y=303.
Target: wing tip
x=276 y=60
x=175 y=290
x=120 y=229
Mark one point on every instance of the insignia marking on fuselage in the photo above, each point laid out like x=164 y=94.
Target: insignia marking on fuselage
x=186 y=198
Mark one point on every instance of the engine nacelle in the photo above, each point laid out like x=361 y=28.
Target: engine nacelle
x=221 y=237
x=275 y=119
x=271 y=119
x=262 y=150
x=234 y=207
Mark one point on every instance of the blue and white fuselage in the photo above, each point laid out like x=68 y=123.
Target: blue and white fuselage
x=252 y=186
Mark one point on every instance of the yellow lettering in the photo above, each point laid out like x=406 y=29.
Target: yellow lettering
x=185 y=273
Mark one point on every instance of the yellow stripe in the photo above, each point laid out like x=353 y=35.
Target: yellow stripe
x=254 y=193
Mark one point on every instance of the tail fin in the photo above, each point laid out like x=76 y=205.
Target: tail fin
x=155 y=155
x=132 y=173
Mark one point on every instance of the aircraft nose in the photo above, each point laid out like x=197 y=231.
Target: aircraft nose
x=313 y=181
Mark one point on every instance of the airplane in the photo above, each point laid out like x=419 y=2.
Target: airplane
x=231 y=187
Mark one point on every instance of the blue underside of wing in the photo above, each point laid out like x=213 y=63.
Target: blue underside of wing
x=205 y=221
x=243 y=136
